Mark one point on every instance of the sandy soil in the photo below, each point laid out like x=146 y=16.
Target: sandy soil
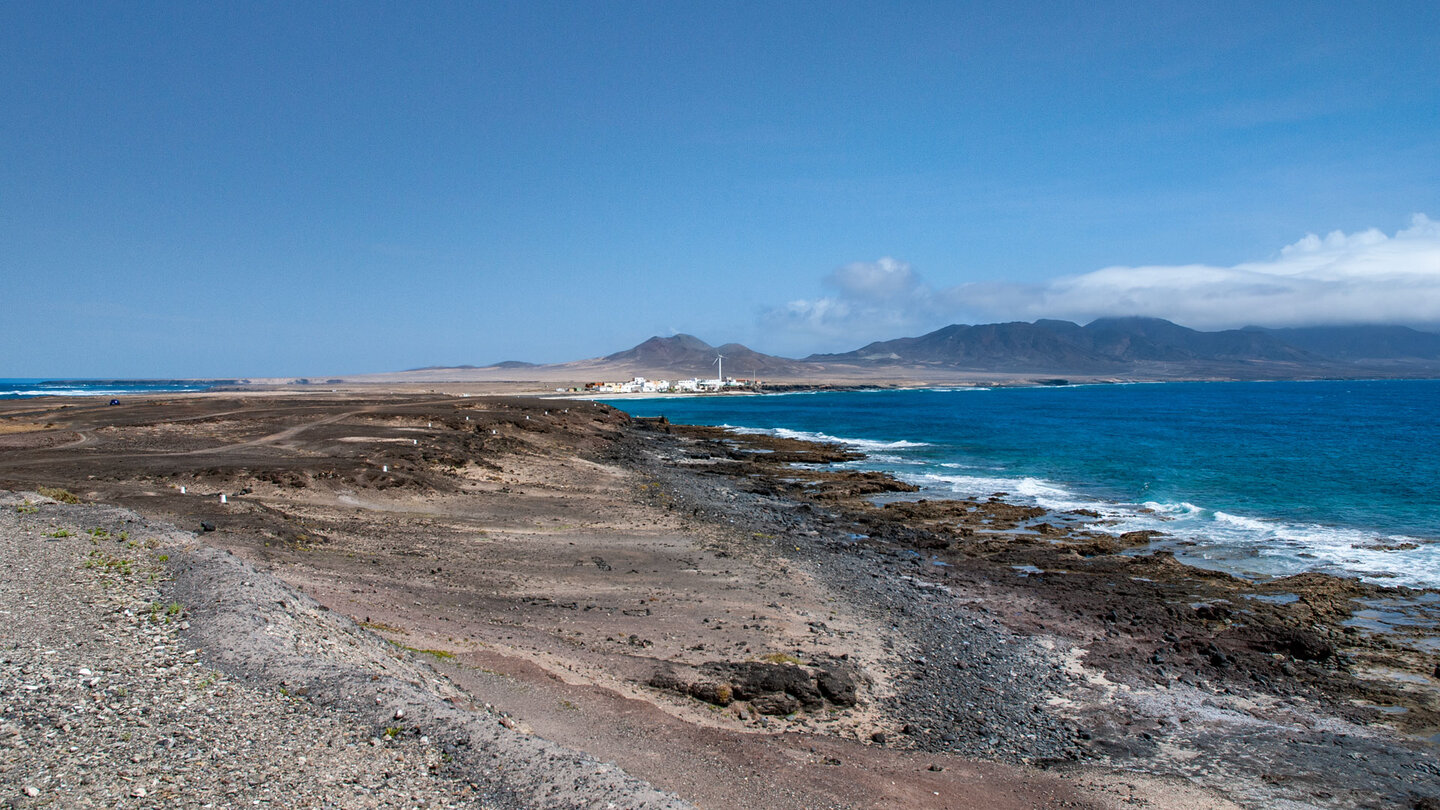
x=587 y=575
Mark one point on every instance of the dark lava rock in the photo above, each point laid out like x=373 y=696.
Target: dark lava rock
x=838 y=684
x=770 y=688
x=667 y=679
x=1306 y=645
x=718 y=694
x=1212 y=612
x=1139 y=538
x=753 y=679
x=775 y=703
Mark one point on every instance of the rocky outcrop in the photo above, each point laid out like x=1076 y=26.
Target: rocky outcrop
x=765 y=687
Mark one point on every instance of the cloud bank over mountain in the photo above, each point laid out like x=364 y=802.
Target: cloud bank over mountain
x=1338 y=278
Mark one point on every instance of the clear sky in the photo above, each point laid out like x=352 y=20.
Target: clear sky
x=251 y=189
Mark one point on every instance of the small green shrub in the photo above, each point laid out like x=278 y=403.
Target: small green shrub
x=58 y=494
x=780 y=658
x=442 y=655
x=160 y=612
x=388 y=628
x=114 y=565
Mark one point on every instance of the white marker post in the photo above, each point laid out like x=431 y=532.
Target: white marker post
x=222 y=498
x=384 y=468
x=182 y=490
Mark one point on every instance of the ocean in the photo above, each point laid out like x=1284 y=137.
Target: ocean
x=22 y=387
x=1259 y=479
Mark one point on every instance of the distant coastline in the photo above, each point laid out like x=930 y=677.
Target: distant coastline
x=28 y=387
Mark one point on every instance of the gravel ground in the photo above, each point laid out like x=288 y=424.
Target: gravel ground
x=963 y=683
x=138 y=669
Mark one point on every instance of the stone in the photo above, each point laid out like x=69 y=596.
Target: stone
x=838 y=684
x=775 y=703
x=753 y=678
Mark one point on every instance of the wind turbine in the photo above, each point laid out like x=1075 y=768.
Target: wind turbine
x=720 y=369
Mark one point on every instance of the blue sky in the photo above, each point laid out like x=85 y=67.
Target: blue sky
x=242 y=189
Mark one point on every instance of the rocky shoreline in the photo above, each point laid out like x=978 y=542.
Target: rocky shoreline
x=406 y=573
x=1047 y=645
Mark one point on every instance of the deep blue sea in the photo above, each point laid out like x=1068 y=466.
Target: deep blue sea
x=1260 y=479
x=21 y=387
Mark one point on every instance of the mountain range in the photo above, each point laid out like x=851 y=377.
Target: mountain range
x=1109 y=348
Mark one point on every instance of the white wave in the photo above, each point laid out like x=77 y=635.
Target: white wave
x=972 y=485
x=1236 y=543
x=888 y=459
x=1264 y=547
x=87 y=391
x=1240 y=544
x=1241 y=522
x=65 y=392
x=812 y=436
x=1174 y=510
x=1038 y=489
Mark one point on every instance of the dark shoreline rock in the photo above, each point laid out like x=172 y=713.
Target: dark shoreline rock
x=979 y=683
x=768 y=688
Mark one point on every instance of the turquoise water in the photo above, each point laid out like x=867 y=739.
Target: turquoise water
x=23 y=387
x=1255 y=478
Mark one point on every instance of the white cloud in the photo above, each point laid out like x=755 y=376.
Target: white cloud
x=871 y=300
x=1365 y=277
x=1338 y=278
x=886 y=279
